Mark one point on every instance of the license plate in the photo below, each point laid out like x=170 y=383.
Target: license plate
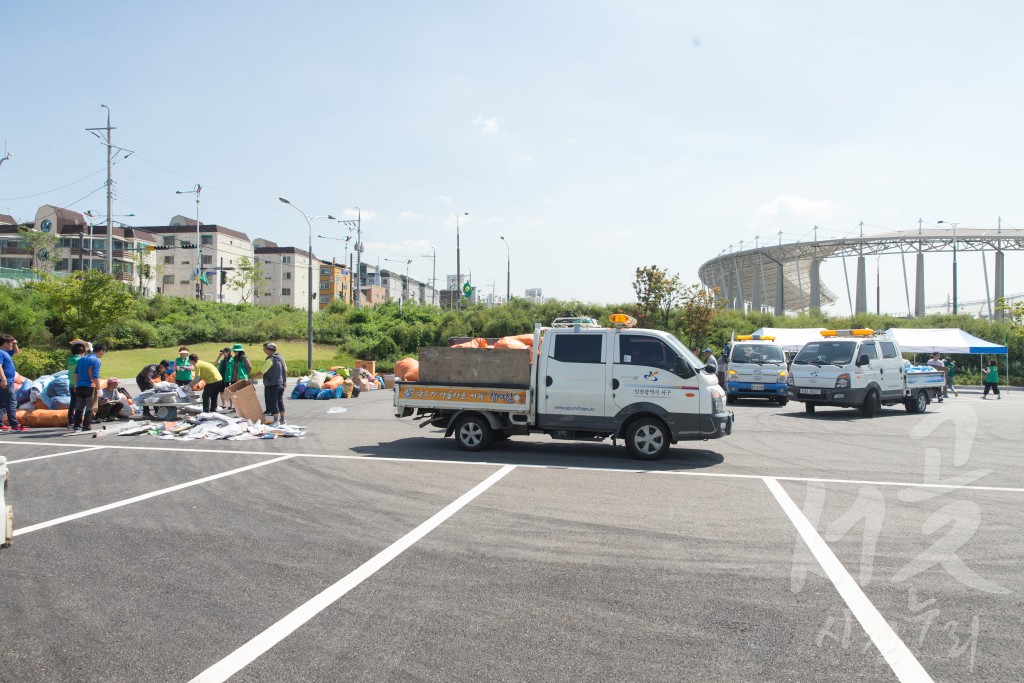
x=811 y=391
x=757 y=387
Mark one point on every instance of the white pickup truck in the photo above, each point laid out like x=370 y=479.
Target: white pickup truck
x=860 y=369
x=643 y=386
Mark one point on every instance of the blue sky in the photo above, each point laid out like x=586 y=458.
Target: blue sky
x=595 y=136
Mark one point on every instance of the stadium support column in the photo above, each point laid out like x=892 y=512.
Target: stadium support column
x=862 y=287
x=780 y=290
x=815 y=284
x=919 y=287
x=755 y=290
x=999 y=289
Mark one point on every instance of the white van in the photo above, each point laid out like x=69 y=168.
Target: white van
x=859 y=369
x=756 y=369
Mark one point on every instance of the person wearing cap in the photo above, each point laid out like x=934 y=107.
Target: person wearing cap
x=182 y=369
x=709 y=359
x=950 y=374
x=214 y=381
x=274 y=372
x=111 y=402
x=152 y=373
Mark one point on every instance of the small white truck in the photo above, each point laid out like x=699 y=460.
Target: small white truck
x=756 y=368
x=860 y=369
x=643 y=386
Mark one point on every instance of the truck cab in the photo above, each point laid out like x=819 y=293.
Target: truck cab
x=857 y=368
x=756 y=368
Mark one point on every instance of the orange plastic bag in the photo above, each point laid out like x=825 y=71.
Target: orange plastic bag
x=45 y=418
x=523 y=338
x=509 y=343
x=478 y=343
x=408 y=370
x=333 y=383
x=20 y=414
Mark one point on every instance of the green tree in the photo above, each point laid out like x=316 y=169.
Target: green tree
x=247 y=279
x=85 y=302
x=657 y=293
x=697 y=313
x=42 y=246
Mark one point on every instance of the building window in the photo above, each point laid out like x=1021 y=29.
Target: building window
x=207 y=260
x=168 y=240
x=325 y=271
x=168 y=279
x=286 y=291
x=326 y=285
x=325 y=299
x=286 y=259
x=287 y=276
x=206 y=239
x=185 y=282
x=62 y=265
x=168 y=260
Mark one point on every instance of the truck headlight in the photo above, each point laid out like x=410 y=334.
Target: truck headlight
x=843 y=381
x=789 y=379
x=783 y=375
x=732 y=373
x=717 y=404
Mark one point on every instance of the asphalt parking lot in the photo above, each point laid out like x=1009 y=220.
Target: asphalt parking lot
x=801 y=548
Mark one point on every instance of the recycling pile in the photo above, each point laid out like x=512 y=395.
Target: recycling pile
x=210 y=426
x=338 y=382
x=42 y=402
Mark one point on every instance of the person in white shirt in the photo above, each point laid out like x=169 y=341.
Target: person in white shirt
x=111 y=401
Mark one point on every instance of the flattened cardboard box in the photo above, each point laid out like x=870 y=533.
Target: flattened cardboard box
x=246 y=402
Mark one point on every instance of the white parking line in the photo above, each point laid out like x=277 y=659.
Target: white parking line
x=144 y=496
x=621 y=470
x=245 y=655
x=896 y=653
x=53 y=455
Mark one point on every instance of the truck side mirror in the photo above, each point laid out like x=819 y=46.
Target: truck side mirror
x=711 y=368
x=863 y=360
x=683 y=369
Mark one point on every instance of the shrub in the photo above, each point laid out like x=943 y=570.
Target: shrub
x=33 y=363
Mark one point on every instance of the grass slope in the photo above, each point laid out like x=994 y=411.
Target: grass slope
x=129 y=363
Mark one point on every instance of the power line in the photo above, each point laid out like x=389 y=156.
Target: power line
x=40 y=194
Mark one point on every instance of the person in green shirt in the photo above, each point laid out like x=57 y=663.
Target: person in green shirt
x=950 y=374
x=182 y=369
x=991 y=380
x=77 y=349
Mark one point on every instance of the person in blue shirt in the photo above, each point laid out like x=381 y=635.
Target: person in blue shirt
x=8 y=398
x=87 y=386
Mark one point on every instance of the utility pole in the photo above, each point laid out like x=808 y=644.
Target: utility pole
x=221 y=278
x=358 y=249
x=433 y=275
x=458 y=258
x=110 y=188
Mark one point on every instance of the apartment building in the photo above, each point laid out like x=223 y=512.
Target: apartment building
x=220 y=248
x=285 y=274
x=335 y=282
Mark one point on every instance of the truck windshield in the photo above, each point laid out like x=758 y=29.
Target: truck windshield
x=826 y=353
x=759 y=354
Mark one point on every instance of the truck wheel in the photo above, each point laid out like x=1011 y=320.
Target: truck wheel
x=870 y=406
x=647 y=439
x=918 y=404
x=473 y=433
x=809 y=408
x=783 y=401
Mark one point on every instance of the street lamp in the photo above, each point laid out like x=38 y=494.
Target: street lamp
x=346 y=240
x=309 y=304
x=433 y=275
x=458 y=257
x=92 y=215
x=508 y=272
x=199 y=249
x=954 y=265
x=358 y=225
x=405 y=292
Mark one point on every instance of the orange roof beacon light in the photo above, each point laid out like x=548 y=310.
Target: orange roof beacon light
x=754 y=337
x=622 y=320
x=862 y=332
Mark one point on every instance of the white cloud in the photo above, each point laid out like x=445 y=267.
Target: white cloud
x=352 y=214
x=792 y=212
x=405 y=249
x=488 y=125
x=409 y=216
x=572 y=141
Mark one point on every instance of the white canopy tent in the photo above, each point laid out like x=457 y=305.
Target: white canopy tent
x=943 y=340
x=791 y=338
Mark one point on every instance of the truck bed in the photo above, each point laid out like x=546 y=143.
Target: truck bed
x=454 y=396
